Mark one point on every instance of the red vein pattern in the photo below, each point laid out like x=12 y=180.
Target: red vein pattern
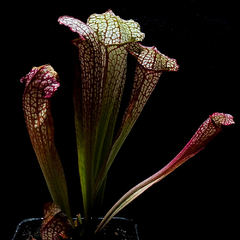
x=40 y=85
x=111 y=29
x=150 y=65
x=103 y=45
x=93 y=62
x=55 y=224
x=209 y=129
x=205 y=133
x=107 y=37
x=88 y=97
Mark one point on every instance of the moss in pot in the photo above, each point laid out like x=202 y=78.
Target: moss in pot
x=103 y=44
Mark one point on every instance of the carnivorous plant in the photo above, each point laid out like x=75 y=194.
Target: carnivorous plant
x=103 y=45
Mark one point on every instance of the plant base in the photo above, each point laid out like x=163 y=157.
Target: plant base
x=117 y=229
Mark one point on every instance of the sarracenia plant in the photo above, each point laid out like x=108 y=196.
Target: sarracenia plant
x=103 y=46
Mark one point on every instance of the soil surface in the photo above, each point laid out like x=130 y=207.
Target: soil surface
x=116 y=229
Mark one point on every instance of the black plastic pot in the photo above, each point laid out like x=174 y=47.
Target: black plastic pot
x=117 y=229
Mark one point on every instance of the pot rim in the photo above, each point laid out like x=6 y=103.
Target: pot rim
x=37 y=219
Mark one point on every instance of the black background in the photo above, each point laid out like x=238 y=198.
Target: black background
x=201 y=198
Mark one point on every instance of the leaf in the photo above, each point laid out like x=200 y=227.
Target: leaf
x=205 y=133
x=41 y=83
x=111 y=29
x=116 y=34
x=102 y=47
x=55 y=225
x=150 y=65
x=88 y=92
